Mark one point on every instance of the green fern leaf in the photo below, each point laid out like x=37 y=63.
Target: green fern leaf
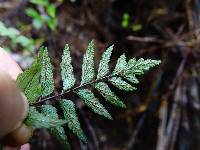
x=103 y=66
x=46 y=80
x=38 y=120
x=70 y=115
x=88 y=64
x=105 y=91
x=29 y=83
x=122 y=85
x=121 y=64
x=58 y=132
x=89 y=99
x=67 y=69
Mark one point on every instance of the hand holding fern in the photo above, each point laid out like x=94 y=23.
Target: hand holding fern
x=13 y=105
x=37 y=83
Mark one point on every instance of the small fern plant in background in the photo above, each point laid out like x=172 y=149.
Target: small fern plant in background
x=38 y=85
x=15 y=38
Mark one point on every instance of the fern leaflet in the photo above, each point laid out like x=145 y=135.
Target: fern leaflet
x=88 y=64
x=71 y=117
x=29 y=83
x=57 y=132
x=67 y=69
x=103 y=66
x=47 y=81
x=39 y=120
x=106 y=92
x=121 y=64
x=122 y=85
x=89 y=99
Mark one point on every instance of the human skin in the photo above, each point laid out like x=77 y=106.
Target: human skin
x=13 y=104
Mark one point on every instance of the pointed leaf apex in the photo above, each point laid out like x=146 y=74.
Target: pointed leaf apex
x=104 y=63
x=121 y=64
x=47 y=81
x=67 y=69
x=88 y=64
x=66 y=47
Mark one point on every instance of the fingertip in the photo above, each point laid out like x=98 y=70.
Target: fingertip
x=25 y=147
x=13 y=105
x=9 y=65
x=19 y=136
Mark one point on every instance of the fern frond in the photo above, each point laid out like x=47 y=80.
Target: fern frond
x=29 y=82
x=67 y=69
x=106 y=92
x=88 y=64
x=38 y=81
x=71 y=117
x=58 y=132
x=121 y=84
x=104 y=66
x=91 y=101
x=46 y=80
x=39 y=120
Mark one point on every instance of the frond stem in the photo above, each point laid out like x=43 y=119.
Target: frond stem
x=82 y=85
x=75 y=88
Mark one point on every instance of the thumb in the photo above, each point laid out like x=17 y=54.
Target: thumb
x=13 y=105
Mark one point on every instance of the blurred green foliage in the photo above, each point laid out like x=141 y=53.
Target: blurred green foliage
x=125 y=23
x=10 y=38
x=15 y=37
x=45 y=17
x=136 y=27
x=125 y=20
